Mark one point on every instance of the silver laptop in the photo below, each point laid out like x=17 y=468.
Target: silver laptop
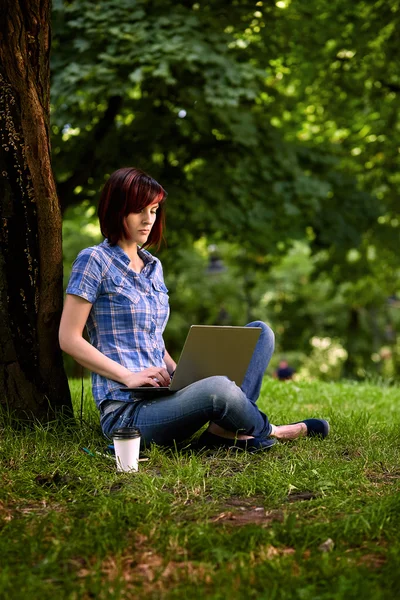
x=209 y=350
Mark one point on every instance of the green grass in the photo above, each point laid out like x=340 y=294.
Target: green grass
x=214 y=526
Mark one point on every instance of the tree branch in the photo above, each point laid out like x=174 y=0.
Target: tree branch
x=393 y=87
x=86 y=159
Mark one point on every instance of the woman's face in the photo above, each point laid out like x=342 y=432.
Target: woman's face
x=139 y=225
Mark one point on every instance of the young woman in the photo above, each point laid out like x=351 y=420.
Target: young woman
x=117 y=290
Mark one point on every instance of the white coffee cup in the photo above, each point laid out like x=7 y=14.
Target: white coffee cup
x=127 y=446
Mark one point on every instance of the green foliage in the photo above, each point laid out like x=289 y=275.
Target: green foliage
x=348 y=94
x=197 y=109
x=270 y=125
x=80 y=230
x=297 y=297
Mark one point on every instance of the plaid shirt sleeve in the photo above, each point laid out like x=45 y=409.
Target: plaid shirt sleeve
x=86 y=276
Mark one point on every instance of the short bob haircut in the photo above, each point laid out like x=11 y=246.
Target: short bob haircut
x=127 y=191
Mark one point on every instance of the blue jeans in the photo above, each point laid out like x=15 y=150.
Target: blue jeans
x=178 y=416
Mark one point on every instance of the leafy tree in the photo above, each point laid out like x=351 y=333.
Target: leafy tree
x=187 y=91
x=32 y=379
x=267 y=123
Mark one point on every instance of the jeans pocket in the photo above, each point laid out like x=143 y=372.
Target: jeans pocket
x=127 y=416
x=113 y=419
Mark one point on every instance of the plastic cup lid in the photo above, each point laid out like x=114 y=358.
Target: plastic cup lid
x=126 y=433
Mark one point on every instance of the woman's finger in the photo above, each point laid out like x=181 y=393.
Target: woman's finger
x=151 y=381
x=165 y=376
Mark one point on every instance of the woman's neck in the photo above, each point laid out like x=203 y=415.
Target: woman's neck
x=132 y=251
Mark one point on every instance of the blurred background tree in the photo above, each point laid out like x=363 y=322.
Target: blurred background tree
x=274 y=127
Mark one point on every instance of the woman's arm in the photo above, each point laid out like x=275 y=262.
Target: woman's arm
x=73 y=320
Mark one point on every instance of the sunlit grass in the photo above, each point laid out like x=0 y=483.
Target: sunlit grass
x=209 y=525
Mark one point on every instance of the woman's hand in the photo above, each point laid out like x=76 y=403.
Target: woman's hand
x=152 y=376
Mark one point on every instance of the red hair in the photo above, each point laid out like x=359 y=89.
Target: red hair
x=127 y=191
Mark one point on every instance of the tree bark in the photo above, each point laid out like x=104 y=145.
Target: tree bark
x=32 y=378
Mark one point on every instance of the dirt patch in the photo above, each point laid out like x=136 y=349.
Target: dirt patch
x=300 y=496
x=57 y=480
x=382 y=477
x=6 y=513
x=140 y=566
x=251 y=502
x=243 y=511
x=369 y=558
x=246 y=513
x=17 y=510
x=372 y=561
x=141 y=569
x=351 y=454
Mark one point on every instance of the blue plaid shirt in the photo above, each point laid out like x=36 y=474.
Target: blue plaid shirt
x=129 y=313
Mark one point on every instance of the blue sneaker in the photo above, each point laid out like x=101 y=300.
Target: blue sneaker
x=316 y=427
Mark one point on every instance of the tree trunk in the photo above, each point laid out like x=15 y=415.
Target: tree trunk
x=32 y=378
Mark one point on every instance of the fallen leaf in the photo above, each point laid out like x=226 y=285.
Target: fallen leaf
x=221 y=516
